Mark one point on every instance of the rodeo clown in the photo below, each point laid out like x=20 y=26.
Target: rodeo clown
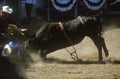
x=9 y=29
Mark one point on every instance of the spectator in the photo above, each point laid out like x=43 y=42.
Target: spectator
x=28 y=7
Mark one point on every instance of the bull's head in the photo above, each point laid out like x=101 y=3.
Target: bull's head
x=36 y=45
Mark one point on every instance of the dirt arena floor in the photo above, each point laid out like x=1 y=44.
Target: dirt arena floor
x=60 y=65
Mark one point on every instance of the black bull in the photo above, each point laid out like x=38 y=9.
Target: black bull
x=51 y=36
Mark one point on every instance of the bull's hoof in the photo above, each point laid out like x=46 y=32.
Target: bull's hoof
x=106 y=54
x=100 y=60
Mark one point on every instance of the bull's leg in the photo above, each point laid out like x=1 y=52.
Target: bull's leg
x=104 y=46
x=97 y=42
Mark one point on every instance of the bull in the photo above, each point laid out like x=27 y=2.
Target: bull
x=54 y=36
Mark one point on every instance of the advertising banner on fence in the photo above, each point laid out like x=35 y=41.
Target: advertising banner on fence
x=63 y=5
x=94 y=4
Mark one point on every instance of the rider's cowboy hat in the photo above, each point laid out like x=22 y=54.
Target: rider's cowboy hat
x=7 y=9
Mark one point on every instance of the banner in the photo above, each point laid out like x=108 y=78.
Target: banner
x=63 y=5
x=94 y=4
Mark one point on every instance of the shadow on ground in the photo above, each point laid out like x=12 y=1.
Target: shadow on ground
x=79 y=61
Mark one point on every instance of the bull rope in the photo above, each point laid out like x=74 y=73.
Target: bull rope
x=72 y=54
